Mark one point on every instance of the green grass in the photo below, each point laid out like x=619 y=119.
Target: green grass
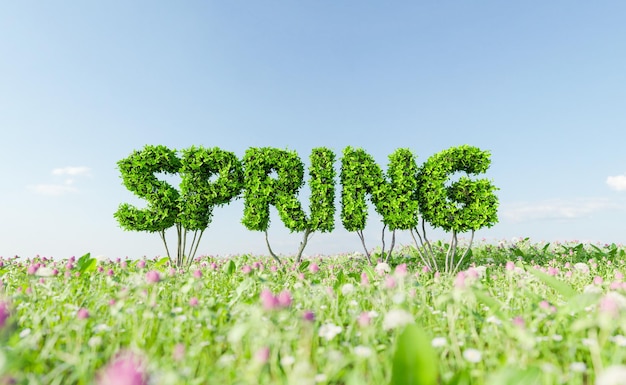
x=493 y=324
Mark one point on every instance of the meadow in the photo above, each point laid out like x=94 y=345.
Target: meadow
x=518 y=312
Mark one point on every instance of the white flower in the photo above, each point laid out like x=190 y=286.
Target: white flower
x=472 y=355
x=44 y=272
x=578 y=367
x=24 y=333
x=321 y=377
x=287 y=361
x=362 y=351
x=439 y=342
x=494 y=320
x=581 y=267
x=329 y=331
x=94 y=341
x=346 y=289
x=397 y=318
x=382 y=268
x=613 y=375
x=618 y=340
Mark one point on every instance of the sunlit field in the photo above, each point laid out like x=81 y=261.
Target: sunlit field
x=517 y=312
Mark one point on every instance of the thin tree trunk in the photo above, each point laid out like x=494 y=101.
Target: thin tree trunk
x=466 y=251
x=367 y=254
x=393 y=243
x=305 y=239
x=267 y=242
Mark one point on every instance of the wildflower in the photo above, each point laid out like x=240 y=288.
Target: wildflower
x=4 y=314
x=153 y=276
x=396 y=318
x=141 y=264
x=125 y=369
x=459 y=281
x=346 y=289
x=82 y=313
x=510 y=266
x=401 y=270
x=32 y=269
x=598 y=280
x=439 y=342
x=314 y=268
x=308 y=316
x=364 y=280
x=287 y=360
x=618 y=340
x=519 y=322
x=268 y=299
x=581 y=267
x=45 y=272
x=613 y=375
x=362 y=351
x=178 y=354
x=390 y=282
x=382 y=268
x=329 y=331
x=284 y=298
x=578 y=367
x=364 y=319
x=197 y=274
x=472 y=355
x=193 y=301
x=262 y=355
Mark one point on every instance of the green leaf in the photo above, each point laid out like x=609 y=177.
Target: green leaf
x=460 y=378
x=561 y=287
x=161 y=263
x=229 y=268
x=414 y=360
x=86 y=263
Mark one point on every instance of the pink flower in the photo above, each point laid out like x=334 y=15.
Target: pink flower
x=364 y=280
x=268 y=299
x=4 y=314
x=246 y=269
x=262 y=355
x=193 y=301
x=179 y=352
x=125 y=369
x=153 y=276
x=519 y=322
x=314 y=268
x=553 y=271
x=308 y=316
x=141 y=264
x=459 y=281
x=32 y=269
x=598 y=280
x=284 y=298
x=619 y=275
x=401 y=270
x=364 y=319
x=390 y=282
x=82 y=313
x=510 y=266
x=197 y=274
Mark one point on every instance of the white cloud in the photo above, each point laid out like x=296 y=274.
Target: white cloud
x=617 y=182
x=557 y=209
x=52 y=189
x=74 y=171
x=56 y=189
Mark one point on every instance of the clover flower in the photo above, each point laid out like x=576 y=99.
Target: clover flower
x=125 y=369
x=396 y=318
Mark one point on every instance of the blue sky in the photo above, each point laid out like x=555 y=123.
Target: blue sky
x=540 y=84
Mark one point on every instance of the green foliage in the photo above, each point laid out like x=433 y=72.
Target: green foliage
x=414 y=360
x=322 y=185
x=464 y=205
x=393 y=194
x=198 y=193
x=138 y=177
x=261 y=190
x=189 y=210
